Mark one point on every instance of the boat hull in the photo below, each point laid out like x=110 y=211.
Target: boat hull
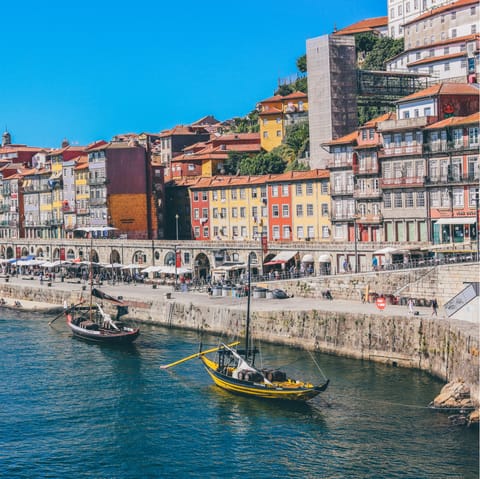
x=284 y=391
x=103 y=335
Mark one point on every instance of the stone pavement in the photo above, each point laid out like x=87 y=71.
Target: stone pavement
x=142 y=292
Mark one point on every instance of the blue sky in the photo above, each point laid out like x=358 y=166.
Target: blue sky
x=87 y=70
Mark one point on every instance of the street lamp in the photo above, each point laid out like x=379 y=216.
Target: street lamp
x=477 y=200
x=176 y=237
x=355 y=229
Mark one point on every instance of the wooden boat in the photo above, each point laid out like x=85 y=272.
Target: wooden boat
x=234 y=370
x=92 y=323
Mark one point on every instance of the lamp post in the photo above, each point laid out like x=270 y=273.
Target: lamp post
x=175 y=259
x=355 y=228
x=477 y=201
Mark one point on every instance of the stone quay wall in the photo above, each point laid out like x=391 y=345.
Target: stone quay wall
x=446 y=349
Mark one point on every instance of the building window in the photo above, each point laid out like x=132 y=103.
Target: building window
x=233 y=194
x=242 y=193
x=309 y=209
x=196 y=213
x=387 y=200
x=299 y=189
x=285 y=211
x=265 y=134
x=325 y=232
x=309 y=189
x=276 y=232
x=458 y=198
x=206 y=232
x=286 y=232
x=196 y=231
x=300 y=234
x=284 y=190
x=204 y=212
x=275 y=211
x=454 y=33
x=409 y=200
x=446 y=66
x=242 y=212
x=324 y=209
x=279 y=133
x=223 y=195
x=324 y=187
x=215 y=212
x=195 y=196
x=274 y=190
x=234 y=212
x=299 y=209
x=473 y=136
x=214 y=195
x=310 y=232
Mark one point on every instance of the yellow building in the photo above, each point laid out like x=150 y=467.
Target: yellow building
x=277 y=113
x=82 y=189
x=229 y=208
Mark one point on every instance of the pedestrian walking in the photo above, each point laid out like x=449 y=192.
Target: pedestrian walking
x=411 y=304
x=434 y=307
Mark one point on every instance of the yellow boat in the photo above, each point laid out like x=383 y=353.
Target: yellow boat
x=233 y=373
x=234 y=370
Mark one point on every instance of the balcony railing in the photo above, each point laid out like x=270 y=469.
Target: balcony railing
x=368 y=193
x=449 y=147
x=401 y=150
x=341 y=190
x=97 y=181
x=340 y=163
x=342 y=216
x=98 y=201
x=402 y=181
x=366 y=169
x=451 y=179
x=370 y=218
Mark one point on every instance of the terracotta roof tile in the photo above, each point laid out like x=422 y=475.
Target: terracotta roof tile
x=350 y=138
x=442 y=89
x=435 y=59
x=455 y=121
x=366 y=25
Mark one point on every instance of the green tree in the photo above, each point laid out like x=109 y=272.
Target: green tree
x=383 y=49
x=262 y=164
x=302 y=64
x=232 y=165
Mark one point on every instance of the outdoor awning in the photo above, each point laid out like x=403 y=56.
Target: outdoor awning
x=282 y=257
x=456 y=221
x=324 y=258
x=307 y=258
x=387 y=250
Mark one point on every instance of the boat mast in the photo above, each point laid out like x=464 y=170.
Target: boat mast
x=91 y=274
x=247 y=325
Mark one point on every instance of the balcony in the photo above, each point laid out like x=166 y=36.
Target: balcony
x=449 y=147
x=341 y=190
x=339 y=163
x=366 y=193
x=442 y=180
x=342 y=216
x=98 y=201
x=369 y=218
x=401 y=150
x=402 y=182
x=83 y=212
x=369 y=169
x=97 y=181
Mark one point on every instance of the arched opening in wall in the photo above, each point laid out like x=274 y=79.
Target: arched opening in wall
x=156 y=255
x=254 y=265
x=115 y=257
x=2 y=252
x=169 y=259
x=70 y=255
x=139 y=257
x=24 y=251
x=10 y=252
x=39 y=253
x=56 y=254
x=201 y=266
x=94 y=256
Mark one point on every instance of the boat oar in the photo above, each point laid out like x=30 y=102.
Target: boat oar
x=196 y=355
x=63 y=312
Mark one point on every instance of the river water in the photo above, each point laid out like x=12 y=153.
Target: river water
x=69 y=409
